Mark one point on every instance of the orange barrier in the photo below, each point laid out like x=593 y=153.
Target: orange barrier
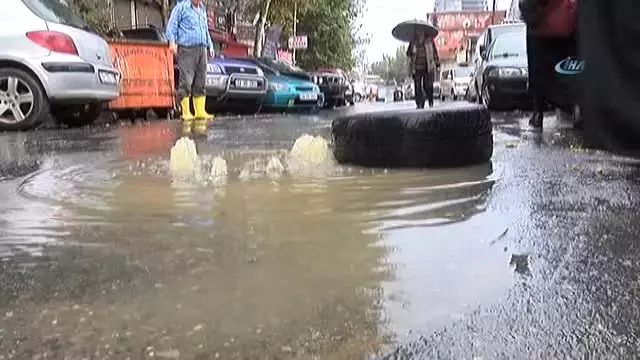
x=148 y=140
x=146 y=68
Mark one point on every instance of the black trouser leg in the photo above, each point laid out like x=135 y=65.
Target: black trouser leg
x=427 y=82
x=417 y=85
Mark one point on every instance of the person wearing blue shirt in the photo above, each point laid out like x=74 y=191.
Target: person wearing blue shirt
x=189 y=38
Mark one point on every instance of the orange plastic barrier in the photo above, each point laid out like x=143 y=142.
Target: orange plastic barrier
x=146 y=68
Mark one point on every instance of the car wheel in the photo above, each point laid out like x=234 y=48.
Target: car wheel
x=23 y=103
x=487 y=100
x=77 y=115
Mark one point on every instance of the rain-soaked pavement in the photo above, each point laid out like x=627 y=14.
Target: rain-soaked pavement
x=534 y=256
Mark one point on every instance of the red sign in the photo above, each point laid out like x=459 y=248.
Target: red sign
x=457 y=27
x=466 y=20
x=285 y=56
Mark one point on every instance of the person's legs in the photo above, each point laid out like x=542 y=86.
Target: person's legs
x=428 y=87
x=417 y=84
x=187 y=61
x=199 y=82
x=539 y=105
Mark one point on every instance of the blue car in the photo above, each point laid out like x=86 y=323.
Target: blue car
x=236 y=84
x=288 y=87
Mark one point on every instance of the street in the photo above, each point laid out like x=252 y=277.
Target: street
x=534 y=256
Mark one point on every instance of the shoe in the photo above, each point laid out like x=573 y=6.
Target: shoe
x=535 y=121
x=199 y=103
x=430 y=104
x=186 y=109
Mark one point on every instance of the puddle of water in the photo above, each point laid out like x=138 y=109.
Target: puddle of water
x=288 y=256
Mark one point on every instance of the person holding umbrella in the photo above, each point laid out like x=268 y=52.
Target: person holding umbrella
x=423 y=57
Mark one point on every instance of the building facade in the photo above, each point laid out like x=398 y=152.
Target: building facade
x=460 y=5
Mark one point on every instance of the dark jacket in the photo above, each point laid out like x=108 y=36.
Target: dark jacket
x=435 y=60
x=532 y=12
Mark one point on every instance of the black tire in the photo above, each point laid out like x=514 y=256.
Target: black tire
x=37 y=111
x=417 y=138
x=487 y=99
x=75 y=116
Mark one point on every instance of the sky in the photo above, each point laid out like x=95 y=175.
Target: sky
x=380 y=16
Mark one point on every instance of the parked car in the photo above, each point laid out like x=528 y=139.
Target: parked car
x=286 y=69
x=359 y=91
x=53 y=64
x=484 y=40
x=333 y=84
x=503 y=77
x=436 y=90
x=287 y=92
x=454 y=82
x=239 y=84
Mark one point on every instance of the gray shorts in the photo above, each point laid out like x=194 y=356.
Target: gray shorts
x=192 y=62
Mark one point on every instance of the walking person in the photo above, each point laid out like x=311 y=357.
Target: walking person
x=189 y=38
x=551 y=38
x=423 y=63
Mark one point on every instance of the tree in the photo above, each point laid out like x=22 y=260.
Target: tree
x=394 y=67
x=328 y=25
x=97 y=14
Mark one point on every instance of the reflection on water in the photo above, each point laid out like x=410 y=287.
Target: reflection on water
x=270 y=267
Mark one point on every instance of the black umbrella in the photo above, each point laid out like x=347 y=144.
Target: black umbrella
x=405 y=31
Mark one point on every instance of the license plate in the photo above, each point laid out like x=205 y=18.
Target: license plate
x=246 y=84
x=308 y=96
x=107 y=77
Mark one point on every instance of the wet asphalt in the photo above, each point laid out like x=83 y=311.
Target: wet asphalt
x=570 y=235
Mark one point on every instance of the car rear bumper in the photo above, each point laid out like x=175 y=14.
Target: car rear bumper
x=509 y=91
x=69 y=79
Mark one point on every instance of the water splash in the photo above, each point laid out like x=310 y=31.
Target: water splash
x=184 y=161
x=310 y=156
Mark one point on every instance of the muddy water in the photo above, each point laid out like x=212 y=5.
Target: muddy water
x=110 y=258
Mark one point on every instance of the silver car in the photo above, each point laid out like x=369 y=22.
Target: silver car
x=51 y=64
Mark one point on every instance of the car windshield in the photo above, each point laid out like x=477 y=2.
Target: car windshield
x=510 y=44
x=463 y=72
x=281 y=66
x=57 y=11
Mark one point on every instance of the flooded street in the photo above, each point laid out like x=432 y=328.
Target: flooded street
x=104 y=256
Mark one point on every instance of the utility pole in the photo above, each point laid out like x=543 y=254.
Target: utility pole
x=493 y=12
x=295 y=28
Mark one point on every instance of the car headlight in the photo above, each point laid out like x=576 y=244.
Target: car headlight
x=314 y=79
x=214 y=68
x=507 y=72
x=278 y=86
x=217 y=80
